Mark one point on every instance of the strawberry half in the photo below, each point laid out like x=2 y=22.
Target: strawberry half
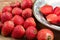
x=46 y=9
x=52 y=18
x=57 y=10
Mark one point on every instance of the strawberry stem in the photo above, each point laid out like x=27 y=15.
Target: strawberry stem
x=49 y=38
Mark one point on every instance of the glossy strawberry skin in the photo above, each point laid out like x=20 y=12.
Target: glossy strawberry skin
x=18 y=32
x=45 y=34
x=31 y=32
x=6 y=16
x=26 y=4
x=18 y=20
x=29 y=22
x=7 y=9
x=27 y=13
x=7 y=28
x=17 y=11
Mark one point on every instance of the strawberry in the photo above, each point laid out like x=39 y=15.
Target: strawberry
x=46 y=9
x=1 y=25
x=15 y=4
x=52 y=18
x=27 y=13
x=7 y=8
x=26 y=4
x=18 y=20
x=18 y=32
x=31 y=32
x=6 y=16
x=59 y=19
x=29 y=22
x=17 y=11
x=45 y=34
x=0 y=15
x=57 y=10
x=7 y=28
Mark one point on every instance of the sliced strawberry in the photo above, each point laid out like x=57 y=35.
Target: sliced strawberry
x=57 y=10
x=58 y=19
x=46 y=9
x=52 y=18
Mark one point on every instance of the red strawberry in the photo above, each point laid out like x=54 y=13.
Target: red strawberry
x=18 y=32
x=7 y=8
x=1 y=25
x=59 y=19
x=17 y=11
x=6 y=16
x=7 y=28
x=57 y=10
x=29 y=22
x=31 y=32
x=0 y=15
x=46 y=9
x=26 y=4
x=15 y=4
x=52 y=18
x=45 y=34
x=18 y=20
x=27 y=13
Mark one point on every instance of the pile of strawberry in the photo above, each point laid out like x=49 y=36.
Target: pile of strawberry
x=17 y=21
x=51 y=14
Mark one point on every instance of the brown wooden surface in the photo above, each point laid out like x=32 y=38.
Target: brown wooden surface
x=3 y=3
